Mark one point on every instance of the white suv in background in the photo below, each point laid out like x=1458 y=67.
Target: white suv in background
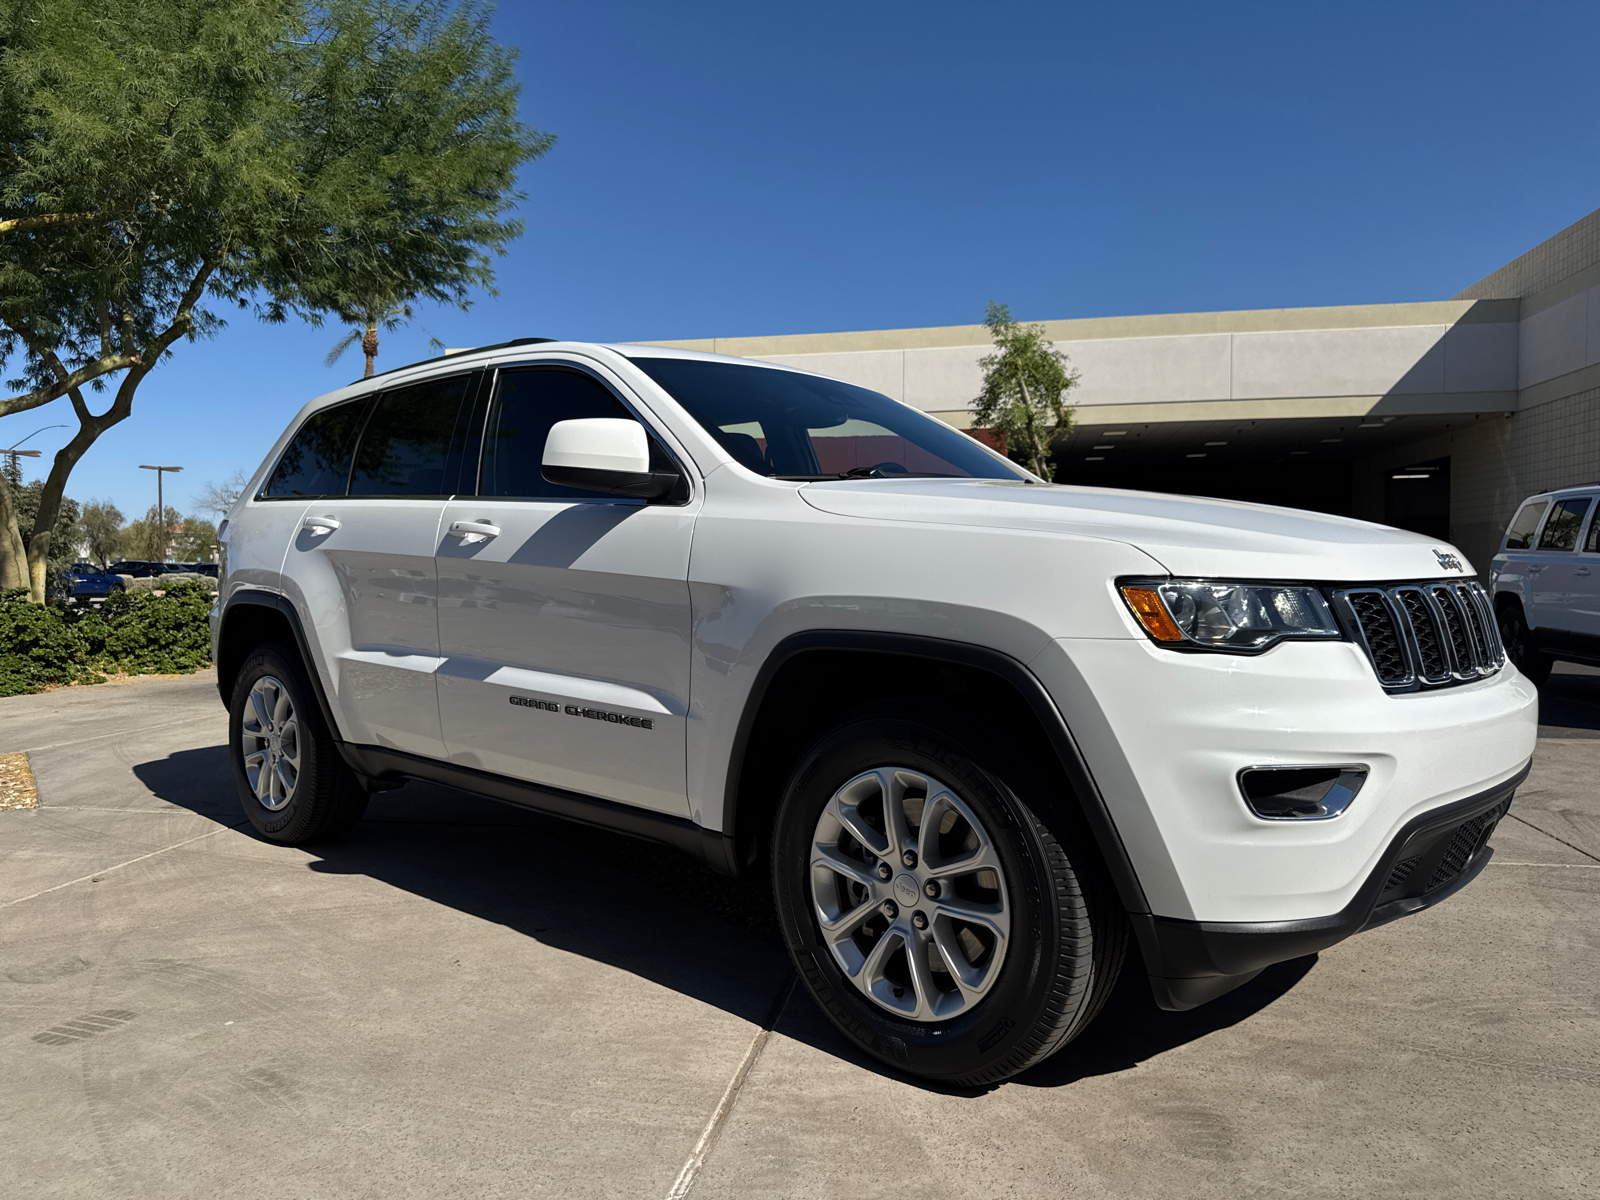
x=1546 y=581
x=982 y=732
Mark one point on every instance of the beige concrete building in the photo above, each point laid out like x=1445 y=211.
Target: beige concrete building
x=1438 y=415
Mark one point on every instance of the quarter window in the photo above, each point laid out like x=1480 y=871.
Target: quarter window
x=1561 y=530
x=526 y=404
x=317 y=460
x=406 y=444
x=1591 y=544
x=1520 y=535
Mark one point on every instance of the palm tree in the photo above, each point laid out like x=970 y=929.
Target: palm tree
x=368 y=320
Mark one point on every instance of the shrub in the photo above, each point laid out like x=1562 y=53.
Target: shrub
x=139 y=634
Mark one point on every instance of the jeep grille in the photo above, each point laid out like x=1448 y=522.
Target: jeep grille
x=1423 y=635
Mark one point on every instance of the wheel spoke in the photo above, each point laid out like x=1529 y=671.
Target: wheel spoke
x=258 y=702
x=969 y=979
x=922 y=978
x=980 y=859
x=845 y=923
x=832 y=858
x=894 y=811
x=856 y=825
x=872 y=968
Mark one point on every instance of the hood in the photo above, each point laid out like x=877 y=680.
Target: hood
x=1188 y=535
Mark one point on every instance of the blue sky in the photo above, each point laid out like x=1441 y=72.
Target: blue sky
x=731 y=169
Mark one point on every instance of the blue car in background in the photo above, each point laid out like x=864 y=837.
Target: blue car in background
x=89 y=581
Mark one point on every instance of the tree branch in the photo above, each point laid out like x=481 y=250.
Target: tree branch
x=24 y=224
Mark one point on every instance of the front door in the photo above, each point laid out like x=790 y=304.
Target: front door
x=366 y=572
x=563 y=613
x=1556 y=587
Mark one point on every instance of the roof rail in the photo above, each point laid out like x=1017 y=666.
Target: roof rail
x=526 y=341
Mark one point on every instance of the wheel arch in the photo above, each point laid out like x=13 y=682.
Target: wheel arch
x=785 y=712
x=251 y=617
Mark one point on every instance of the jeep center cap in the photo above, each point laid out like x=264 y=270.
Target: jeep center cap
x=906 y=891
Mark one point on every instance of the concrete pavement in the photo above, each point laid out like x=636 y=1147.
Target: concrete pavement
x=461 y=999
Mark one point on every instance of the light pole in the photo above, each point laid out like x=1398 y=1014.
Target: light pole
x=161 y=507
x=12 y=453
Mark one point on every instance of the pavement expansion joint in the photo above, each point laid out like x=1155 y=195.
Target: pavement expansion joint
x=719 y=1116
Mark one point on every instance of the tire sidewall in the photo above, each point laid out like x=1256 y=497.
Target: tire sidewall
x=288 y=825
x=999 y=1025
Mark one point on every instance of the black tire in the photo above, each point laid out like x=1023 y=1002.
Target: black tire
x=327 y=798
x=1069 y=933
x=1518 y=641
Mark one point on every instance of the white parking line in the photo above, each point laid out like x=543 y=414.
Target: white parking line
x=1495 y=862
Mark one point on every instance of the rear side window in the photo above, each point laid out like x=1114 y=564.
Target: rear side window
x=317 y=461
x=526 y=404
x=406 y=444
x=1520 y=535
x=1591 y=544
x=1561 y=530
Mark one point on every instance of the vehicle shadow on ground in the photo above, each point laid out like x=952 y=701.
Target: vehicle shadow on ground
x=655 y=913
x=1569 y=706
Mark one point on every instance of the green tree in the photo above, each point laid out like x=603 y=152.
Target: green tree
x=162 y=158
x=100 y=530
x=63 y=542
x=388 y=317
x=1025 y=384
x=194 y=540
x=151 y=537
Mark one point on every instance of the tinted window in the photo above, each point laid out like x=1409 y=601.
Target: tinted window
x=526 y=404
x=406 y=443
x=317 y=461
x=1520 y=535
x=1561 y=530
x=783 y=423
x=1591 y=544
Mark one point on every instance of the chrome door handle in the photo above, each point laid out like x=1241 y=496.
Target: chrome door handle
x=319 y=524
x=1580 y=570
x=473 y=531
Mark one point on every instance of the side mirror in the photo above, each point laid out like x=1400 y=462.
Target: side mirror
x=604 y=454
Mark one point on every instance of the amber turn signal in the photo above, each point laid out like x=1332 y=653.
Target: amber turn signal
x=1152 y=614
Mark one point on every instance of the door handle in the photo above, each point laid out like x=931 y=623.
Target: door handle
x=473 y=531
x=1580 y=570
x=319 y=524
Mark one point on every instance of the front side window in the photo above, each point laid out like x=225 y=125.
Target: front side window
x=1520 y=535
x=406 y=444
x=526 y=404
x=793 y=426
x=317 y=460
x=1561 y=530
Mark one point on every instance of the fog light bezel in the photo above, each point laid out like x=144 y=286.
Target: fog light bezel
x=1348 y=778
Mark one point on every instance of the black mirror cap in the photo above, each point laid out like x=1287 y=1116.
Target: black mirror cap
x=653 y=486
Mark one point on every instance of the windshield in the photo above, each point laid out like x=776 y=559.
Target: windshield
x=793 y=426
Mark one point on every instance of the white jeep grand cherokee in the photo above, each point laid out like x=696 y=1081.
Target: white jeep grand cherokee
x=979 y=729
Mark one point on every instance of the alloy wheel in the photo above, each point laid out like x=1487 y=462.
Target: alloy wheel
x=909 y=894
x=271 y=743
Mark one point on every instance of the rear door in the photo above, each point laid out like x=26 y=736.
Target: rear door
x=1586 y=581
x=564 y=614
x=361 y=566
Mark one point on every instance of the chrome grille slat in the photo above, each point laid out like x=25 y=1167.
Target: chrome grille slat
x=1428 y=634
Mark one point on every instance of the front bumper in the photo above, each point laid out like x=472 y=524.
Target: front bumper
x=1433 y=857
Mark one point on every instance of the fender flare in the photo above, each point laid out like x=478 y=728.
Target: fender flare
x=1013 y=672
x=259 y=598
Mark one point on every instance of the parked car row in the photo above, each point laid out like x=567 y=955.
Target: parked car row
x=147 y=569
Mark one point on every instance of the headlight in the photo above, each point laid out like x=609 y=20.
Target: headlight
x=1229 y=616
